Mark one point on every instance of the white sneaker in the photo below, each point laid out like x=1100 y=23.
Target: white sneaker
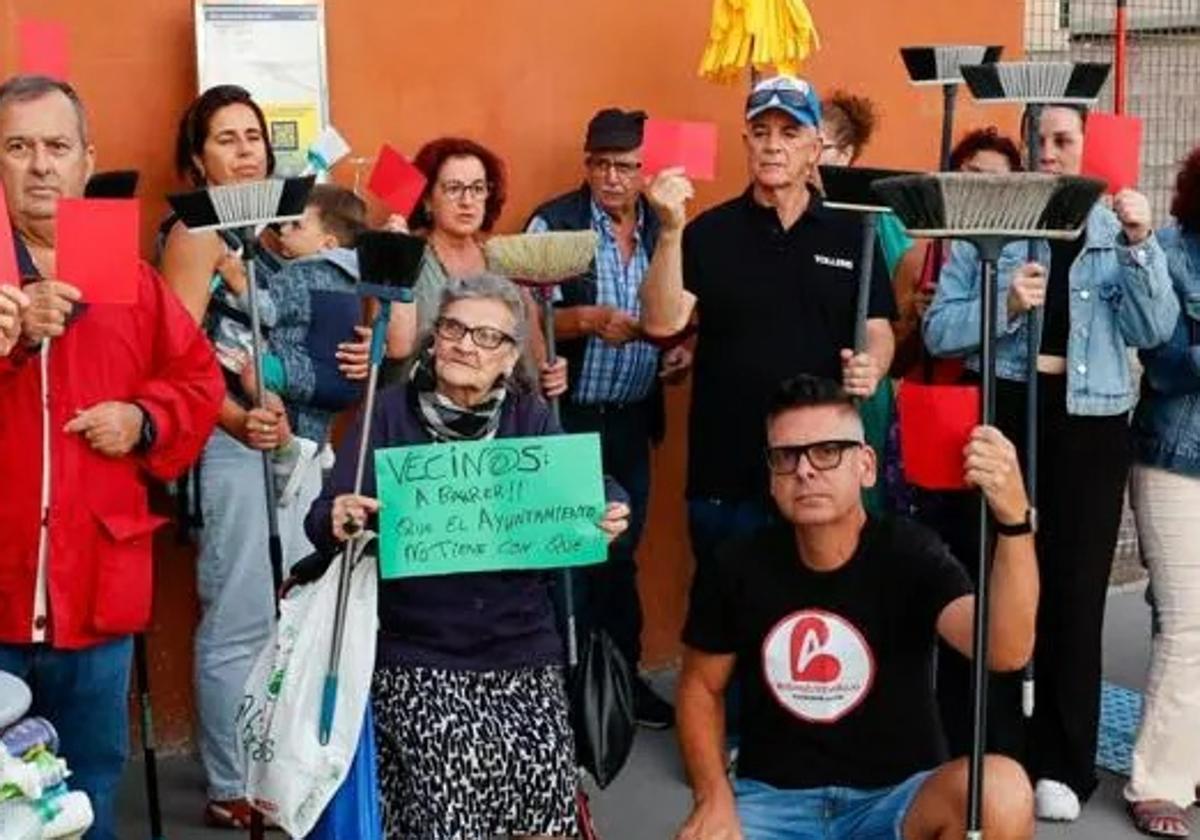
x=1055 y=801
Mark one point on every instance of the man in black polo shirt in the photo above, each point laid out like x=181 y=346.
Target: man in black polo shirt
x=774 y=273
x=829 y=619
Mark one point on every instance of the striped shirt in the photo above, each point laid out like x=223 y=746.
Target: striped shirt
x=610 y=374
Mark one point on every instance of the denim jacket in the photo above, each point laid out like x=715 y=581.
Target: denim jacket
x=1166 y=425
x=1120 y=297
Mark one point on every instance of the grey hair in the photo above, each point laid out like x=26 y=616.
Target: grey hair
x=28 y=88
x=501 y=289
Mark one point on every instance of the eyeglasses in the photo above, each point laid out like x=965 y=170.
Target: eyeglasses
x=624 y=169
x=457 y=190
x=485 y=338
x=824 y=455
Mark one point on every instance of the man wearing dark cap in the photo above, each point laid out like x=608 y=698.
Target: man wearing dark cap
x=615 y=376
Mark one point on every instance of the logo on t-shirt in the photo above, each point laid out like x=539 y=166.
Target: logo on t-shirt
x=817 y=665
x=834 y=262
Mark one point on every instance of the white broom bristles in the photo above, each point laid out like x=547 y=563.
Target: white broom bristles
x=964 y=205
x=247 y=204
x=942 y=64
x=951 y=59
x=545 y=258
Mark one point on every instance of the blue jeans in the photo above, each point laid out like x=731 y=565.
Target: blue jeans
x=828 y=813
x=84 y=693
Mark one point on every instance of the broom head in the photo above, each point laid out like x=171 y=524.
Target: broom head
x=120 y=183
x=388 y=264
x=242 y=205
x=1037 y=82
x=541 y=259
x=965 y=205
x=941 y=65
x=849 y=187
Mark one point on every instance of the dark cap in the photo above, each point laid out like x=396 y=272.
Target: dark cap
x=615 y=130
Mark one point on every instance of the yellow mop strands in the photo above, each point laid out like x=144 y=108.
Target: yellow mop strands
x=762 y=33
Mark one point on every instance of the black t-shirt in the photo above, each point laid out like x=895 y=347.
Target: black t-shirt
x=1057 y=322
x=773 y=304
x=835 y=668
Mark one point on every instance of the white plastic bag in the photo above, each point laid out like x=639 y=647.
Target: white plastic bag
x=289 y=775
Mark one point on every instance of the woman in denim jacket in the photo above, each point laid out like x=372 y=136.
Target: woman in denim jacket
x=1104 y=293
x=1165 y=492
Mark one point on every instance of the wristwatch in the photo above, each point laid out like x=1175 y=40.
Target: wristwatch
x=148 y=433
x=1019 y=529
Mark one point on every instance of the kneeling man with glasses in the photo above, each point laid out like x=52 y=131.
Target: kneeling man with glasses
x=828 y=620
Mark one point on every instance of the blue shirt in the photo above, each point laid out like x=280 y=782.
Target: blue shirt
x=627 y=373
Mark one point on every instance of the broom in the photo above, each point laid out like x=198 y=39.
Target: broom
x=123 y=183
x=542 y=261
x=988 y=211
x=942 y=65
x=849 y=188
x=387 y=265
x=1035 y=85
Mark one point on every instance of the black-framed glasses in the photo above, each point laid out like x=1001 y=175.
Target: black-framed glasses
x=621 y=168
x=485 y=338
x=457 y=190
x=824 y=455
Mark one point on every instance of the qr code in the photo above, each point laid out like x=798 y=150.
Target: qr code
x=285 y=135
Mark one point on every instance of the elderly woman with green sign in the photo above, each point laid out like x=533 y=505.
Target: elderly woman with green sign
x=468 y=694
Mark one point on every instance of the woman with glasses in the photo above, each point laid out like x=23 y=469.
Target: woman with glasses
x=466 y=186
x=468 y=694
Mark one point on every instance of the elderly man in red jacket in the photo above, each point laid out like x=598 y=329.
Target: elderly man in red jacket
x=95 y=401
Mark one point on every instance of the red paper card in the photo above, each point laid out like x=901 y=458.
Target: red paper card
x=1112 y=150
x=96 y=240
x=935 y=424
x=692 y=145
x=396 y=181
x=44 y=50
x=9 y=274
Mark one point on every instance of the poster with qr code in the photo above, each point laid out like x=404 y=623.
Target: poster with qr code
x=276 y=50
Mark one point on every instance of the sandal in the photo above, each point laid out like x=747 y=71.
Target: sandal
x=1159 y=818
x=233 y=814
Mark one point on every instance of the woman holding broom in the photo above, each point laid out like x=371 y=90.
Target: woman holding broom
x=1103 y=293
x=468 y=694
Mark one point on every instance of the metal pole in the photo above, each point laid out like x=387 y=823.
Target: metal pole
x=979 y=666
x=1121 y=39
x=352 y=550
x=1033 y=342
x=545 y=296
x=949 y=100
x=149 y=756
x=866 y=267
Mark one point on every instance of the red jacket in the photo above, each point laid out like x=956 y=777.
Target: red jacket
x=99 y=550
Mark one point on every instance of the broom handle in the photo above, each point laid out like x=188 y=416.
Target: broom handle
x=350 y=553
x=979 y=670
x=1033 y=339
x=545 y=296
x=866 y=268
x=149 y=754
x=949 y=100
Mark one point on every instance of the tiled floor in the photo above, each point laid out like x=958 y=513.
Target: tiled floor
x=650 y=798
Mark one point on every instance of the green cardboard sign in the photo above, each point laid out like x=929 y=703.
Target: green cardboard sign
x=485 y=506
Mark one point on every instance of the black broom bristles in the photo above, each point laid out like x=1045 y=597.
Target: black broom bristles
x=1037 y=82
x=388 y=263
x=119 y=183
x=940 y=65
x=849 y=187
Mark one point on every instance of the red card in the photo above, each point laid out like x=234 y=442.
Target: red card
x=1112 y=150
x=9 y=274
x=96 y=240
x=935 y=424
x=44 y=50
x=395 y=180
x=692 y=145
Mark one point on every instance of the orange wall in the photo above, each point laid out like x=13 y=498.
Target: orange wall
x=523 y=76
